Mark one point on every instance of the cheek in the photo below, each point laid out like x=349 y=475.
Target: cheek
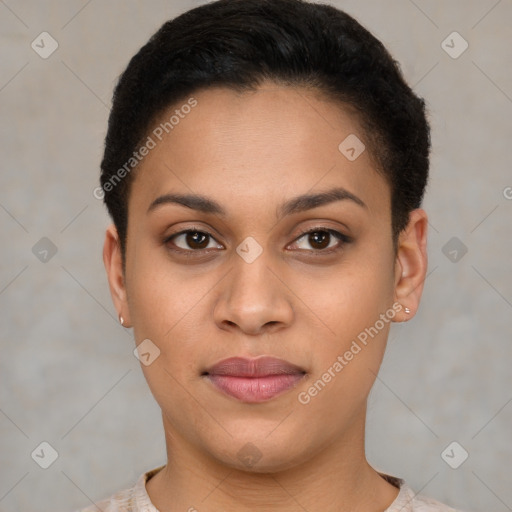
x=355 y=305
x=168 y=308
x=351 y=296
x=165 y=316
x=159 y=295
x=346 y=368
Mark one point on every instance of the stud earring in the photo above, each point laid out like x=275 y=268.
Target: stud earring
x=407 y=310
x=121 y=320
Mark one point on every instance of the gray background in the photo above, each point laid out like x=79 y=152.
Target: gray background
x=68 y=374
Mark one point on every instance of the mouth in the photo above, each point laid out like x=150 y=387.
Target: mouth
x=254 y=380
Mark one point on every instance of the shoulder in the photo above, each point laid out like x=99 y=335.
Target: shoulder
x=122 y=501
x=421 y=503
x=133 y=499
x=409 y=501
x=424 y=504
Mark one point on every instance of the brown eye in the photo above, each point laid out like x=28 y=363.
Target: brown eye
x=196 y=240
x=191 y=240
x=321 y=239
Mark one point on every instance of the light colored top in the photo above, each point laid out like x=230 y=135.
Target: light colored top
x=136 y=499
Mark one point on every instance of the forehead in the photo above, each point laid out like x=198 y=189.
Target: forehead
x=263 y=145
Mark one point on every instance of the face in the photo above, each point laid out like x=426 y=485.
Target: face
x=252 y=271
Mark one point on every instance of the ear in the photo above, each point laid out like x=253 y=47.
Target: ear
x=411 y=264
x=114 y=267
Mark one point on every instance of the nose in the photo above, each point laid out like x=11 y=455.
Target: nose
x=254 y=298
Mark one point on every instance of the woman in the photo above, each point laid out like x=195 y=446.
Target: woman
x=264 y=167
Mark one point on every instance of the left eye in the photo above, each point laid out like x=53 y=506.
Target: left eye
x=319 y=238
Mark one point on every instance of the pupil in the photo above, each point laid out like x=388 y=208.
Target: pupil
x=192 y=240
x=323 y=237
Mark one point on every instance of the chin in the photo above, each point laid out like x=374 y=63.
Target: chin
x=260 y=455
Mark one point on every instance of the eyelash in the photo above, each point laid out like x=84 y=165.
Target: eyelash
x=344 y=239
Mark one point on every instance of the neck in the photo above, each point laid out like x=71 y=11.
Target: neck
x=337 y=478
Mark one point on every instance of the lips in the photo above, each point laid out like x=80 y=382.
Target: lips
x=260 y=367
x=254 y=380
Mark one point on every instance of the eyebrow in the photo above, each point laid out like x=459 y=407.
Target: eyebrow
x=295 y=205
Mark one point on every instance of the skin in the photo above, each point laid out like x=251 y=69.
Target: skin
x=250 y=152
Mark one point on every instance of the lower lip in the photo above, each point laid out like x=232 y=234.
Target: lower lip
x=254 y=389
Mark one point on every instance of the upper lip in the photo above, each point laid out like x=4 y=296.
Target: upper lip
x=259 y=367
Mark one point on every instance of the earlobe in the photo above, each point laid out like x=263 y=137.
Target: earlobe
x=411 y=264
x=112 y=260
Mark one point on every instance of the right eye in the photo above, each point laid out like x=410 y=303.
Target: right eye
x=191 y=240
